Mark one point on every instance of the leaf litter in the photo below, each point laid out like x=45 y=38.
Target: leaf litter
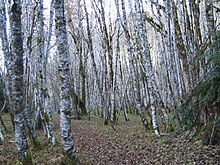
x=129 y=144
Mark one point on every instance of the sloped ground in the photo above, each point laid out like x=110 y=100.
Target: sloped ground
x=129 y=144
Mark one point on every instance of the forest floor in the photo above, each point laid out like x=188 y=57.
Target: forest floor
x=99 y=144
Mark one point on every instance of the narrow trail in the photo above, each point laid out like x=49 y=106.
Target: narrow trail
x=131 y=145
x=100 y=150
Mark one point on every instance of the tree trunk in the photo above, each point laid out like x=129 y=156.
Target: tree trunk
x=132 y=68
x=50 y=29
x=1 y=137
x=29 y=25
x=148 y=68
x=18 y=84
x=64 y=78
x=44 y=99
x=7 y=58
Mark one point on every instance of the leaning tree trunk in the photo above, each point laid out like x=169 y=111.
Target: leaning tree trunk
x=148 y=68
x=181 y=48
x=17 y=83
x=64 y=78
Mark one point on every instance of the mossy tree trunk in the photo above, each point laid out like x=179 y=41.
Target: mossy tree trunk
x=17 y=82
x=64 y=80
x=76 y=31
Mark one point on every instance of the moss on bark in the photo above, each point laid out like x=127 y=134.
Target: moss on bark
x=26 y=160
x=70 y=160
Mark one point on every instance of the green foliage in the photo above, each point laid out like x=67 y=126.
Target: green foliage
x=203 y=103
x=209 y=88
x=189 y=115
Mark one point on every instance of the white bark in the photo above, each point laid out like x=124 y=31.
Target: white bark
x=45 y=109
x=132 y=67
x=1 y=137
x=64 y=78
x=7 y=55
x=3 y=35
x=90 y=44
x=27 y=53
x=50 y=29
x=148 y=68
x=17 y=80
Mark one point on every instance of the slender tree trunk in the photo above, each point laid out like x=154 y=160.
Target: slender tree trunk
x=92 y=54
x=28 y=26
x=210 y=21
x=7 y=58
x=42 y=117
x=108 y=41
x=44 y=96
x=82 y=71
x=90 y=44
x=1 y=137
x=132 y=68
x=182 y=52
x=64 y=78
x=17 y=83
x=50 y=29
x=115 y=73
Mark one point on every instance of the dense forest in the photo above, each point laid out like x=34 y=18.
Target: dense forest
x=78 y=66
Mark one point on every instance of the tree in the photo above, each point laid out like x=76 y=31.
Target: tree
x=132 y=73
x=45 y=110
x=64 y=78
x=17 y=82
x=76 y=30
x=7 y=57
x=1 y=137
x=27 y=27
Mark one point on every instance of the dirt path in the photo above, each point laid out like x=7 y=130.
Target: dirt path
x=96 y=149
x=131 y=145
